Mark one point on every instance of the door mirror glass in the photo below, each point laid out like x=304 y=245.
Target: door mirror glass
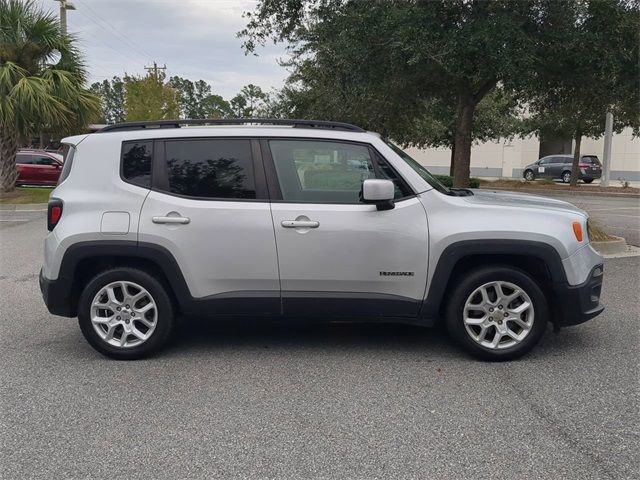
x=378 y=191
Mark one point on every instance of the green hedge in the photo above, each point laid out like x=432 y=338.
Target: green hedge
x=447 y=181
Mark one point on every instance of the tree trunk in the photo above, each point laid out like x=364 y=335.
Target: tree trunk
x=462 y=144
x=8 y=150
x=575 y=168
x=452 y=162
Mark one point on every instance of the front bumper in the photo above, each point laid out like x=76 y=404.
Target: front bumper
x=579 y=303
x=57 y=296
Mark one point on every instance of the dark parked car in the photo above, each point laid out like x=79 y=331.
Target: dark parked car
x=559 y=166
x=38 y=167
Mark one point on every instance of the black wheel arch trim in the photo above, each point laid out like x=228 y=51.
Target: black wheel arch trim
x=454 y=253
x=265 y=302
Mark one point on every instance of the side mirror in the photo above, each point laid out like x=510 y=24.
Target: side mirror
x=379 y=192
x=57 y=165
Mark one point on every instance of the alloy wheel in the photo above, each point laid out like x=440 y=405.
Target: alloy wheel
x=124 y=314
x=498 y=315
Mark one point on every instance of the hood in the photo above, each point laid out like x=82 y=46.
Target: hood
x=513 y=199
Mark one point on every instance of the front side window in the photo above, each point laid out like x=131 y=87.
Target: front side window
x=326 y=172
x=136 y=163
x=210 y=168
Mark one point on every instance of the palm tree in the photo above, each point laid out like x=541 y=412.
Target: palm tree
x=41 y=81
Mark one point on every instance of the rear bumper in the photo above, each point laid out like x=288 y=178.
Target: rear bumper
x=590 y=175
x=579 y=303
x=57 y=296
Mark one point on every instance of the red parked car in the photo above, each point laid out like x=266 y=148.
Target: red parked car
x=38 y=167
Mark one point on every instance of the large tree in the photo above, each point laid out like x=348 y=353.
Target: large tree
x=149 y=98
x=112 y=94
x=595 y=51
x=41 y=82
x=385 y=63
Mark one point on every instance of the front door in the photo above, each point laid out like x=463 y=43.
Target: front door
x=337 y=255
x=207 y=209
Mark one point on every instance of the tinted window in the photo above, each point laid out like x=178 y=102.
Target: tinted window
x=210 y=168
x=68 y=153
x=326 y=172
x=545 y=161
x=24 y=159
x=41 y=160
x=591 y=160
x=136 y=163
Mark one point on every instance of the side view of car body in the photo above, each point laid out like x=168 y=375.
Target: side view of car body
x=38 y=167
x=306 y=220
x=559 y=167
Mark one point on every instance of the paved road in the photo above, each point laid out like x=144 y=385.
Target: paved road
x=293 y=401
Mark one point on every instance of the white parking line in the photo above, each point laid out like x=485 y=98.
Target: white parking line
x=15 y=220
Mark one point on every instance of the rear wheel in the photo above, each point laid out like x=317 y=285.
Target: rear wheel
x=566 y=176
x=529 y=176
x=497 y=313
x=125 y=314
x=587 y=180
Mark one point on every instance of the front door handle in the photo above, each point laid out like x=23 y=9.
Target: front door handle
x=300 y=224
x=180 y=220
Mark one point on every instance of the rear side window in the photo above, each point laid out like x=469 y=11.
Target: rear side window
x=68 y=152
x=24 y=159
x=210 y=168
x=136 y=163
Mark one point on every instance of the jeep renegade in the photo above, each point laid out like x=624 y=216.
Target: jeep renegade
x=307 y=219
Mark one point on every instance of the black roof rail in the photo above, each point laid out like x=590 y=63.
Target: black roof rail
x=231 y=121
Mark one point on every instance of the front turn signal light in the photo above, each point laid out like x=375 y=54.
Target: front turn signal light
x=577 y=231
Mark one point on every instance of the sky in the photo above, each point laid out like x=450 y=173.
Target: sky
x=196 y=39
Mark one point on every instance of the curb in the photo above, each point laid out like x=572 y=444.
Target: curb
x=34 y=207
x=611 y=247
x=542 y=191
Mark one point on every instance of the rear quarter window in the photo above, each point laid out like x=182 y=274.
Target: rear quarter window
x=136 y=163
x=67 y=153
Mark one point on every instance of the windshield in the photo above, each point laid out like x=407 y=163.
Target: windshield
x=419 y=169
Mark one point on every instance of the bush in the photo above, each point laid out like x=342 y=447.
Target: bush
x=447 y=181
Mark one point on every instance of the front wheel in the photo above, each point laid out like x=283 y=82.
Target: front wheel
x=566 y=177
x=587 y=180
x=125 y=313
x=497 y=313
x=529 y=176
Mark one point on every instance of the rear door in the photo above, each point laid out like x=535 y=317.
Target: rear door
x=337 y=255
x=46 y=169
x=209 y=208
x=555 y=167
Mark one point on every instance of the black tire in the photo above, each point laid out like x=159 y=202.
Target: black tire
x=587 y=180
x=566 y=176
x=476 y=278
x=165 y=315
x=529 y=175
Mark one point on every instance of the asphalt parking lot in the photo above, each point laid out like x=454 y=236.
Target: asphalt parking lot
x=295 y=401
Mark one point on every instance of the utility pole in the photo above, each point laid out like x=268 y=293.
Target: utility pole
x=606 y=156
x=155 y=69
x=64 y=6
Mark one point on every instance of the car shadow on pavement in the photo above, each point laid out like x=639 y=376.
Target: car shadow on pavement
x=299 y=335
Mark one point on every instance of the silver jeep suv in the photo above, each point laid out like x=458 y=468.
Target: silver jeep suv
x=305 y=219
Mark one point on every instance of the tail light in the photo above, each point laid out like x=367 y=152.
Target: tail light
x=54 y=213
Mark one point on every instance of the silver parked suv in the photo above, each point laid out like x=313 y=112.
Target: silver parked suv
x=304 y=219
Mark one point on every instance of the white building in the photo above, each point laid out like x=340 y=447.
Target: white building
x=506 y=158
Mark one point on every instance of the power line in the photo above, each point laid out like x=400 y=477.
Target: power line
x=106 y=26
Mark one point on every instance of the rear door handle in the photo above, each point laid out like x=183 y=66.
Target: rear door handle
x=300 y=224
x=180 y=220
